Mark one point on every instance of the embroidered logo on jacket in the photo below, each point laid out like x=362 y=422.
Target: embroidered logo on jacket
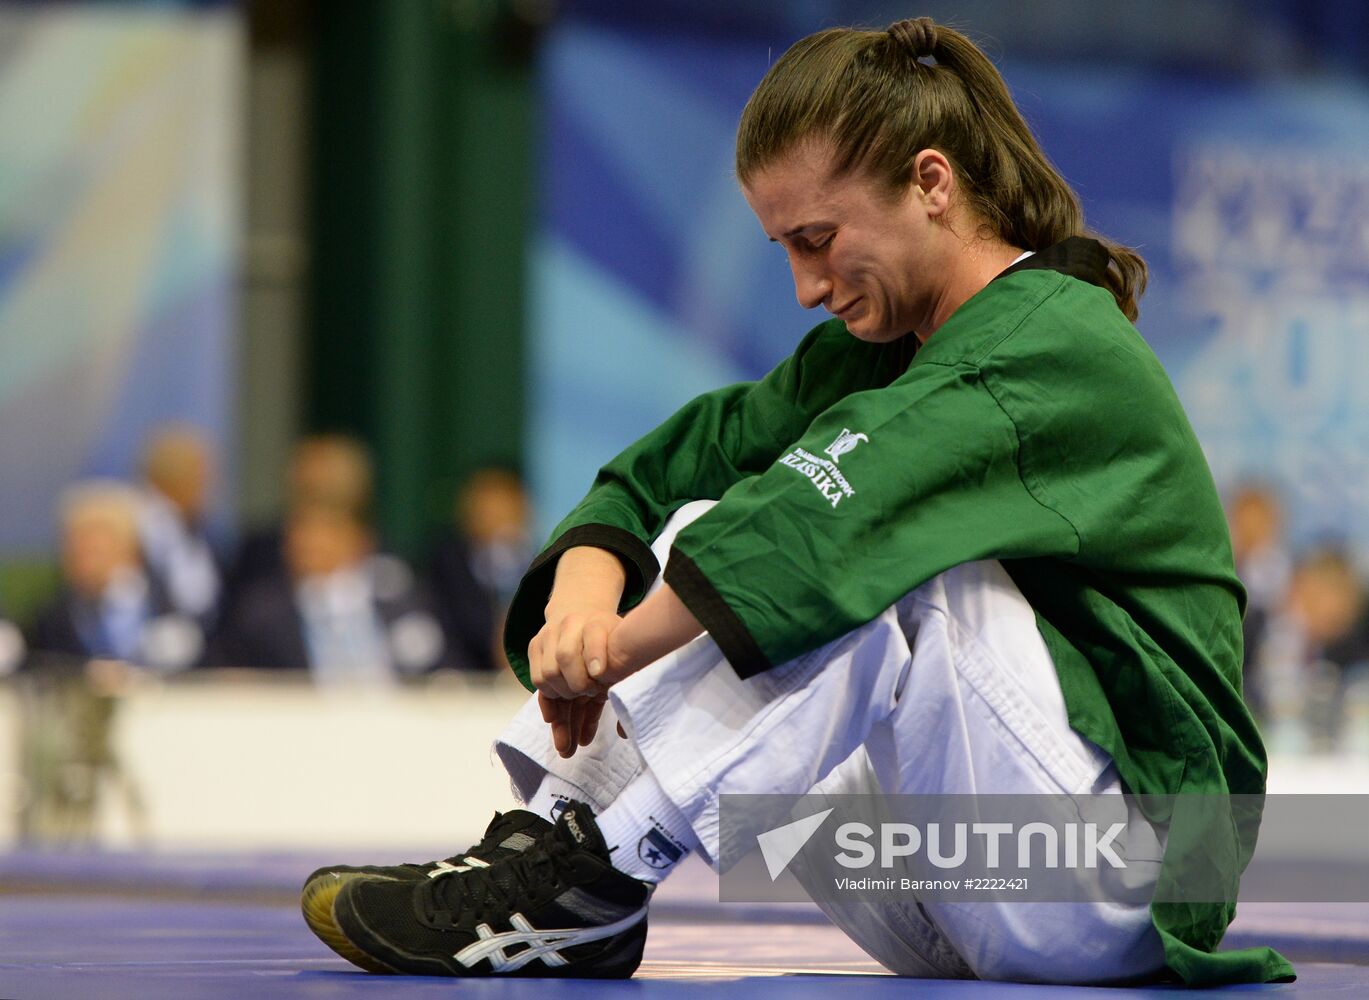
x=845 y=442
x=821 y=472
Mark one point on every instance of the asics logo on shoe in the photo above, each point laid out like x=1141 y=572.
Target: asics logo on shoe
x=574 y=827
x=447 y=868
x=541 y=945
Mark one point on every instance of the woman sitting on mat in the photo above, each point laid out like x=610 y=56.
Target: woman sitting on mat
x=963 y=540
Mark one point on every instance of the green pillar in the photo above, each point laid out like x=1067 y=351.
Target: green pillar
x=421 y=212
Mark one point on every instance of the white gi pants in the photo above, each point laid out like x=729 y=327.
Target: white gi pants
x=950 y=691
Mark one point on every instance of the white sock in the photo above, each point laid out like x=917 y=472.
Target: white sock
x=647 y=836
x=552 y=795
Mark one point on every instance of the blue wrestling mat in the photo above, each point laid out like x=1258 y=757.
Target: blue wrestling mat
x=184 y=926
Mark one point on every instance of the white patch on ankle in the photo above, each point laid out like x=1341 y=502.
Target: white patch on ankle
x=658 y=849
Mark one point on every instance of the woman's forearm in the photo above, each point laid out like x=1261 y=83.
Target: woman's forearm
x=659 y=625
x=587 y=579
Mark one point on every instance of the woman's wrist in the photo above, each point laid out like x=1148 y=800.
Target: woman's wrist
x=619 y=657
x=659 y=625
x=587 y=579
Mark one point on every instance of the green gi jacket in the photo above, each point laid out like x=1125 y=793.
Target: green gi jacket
x=1035 y=427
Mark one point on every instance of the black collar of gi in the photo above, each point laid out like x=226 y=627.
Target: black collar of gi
x=1078 y=256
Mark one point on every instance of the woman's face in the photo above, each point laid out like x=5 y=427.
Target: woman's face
x=869 y=259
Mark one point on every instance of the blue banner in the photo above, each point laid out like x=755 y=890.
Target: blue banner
x=118 y=243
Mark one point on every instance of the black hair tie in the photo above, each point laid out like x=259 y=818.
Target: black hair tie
x=917 y=34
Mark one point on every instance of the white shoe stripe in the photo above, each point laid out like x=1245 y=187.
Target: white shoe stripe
x=544 y=945
x=447 y=868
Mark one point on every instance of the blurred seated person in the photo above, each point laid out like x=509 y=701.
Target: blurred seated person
x=1263 y=561
x=329 y=469
x=176 y=467
x=1346 y=707
x=476 y=569
x=12 y=645
x=337 y=610
x=1309 y=642
x=109 y=608
x=1264 y=566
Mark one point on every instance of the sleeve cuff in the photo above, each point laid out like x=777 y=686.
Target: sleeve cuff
x=721 y=622
x=636 y=556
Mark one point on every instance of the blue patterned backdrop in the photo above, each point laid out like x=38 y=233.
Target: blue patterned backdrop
x=1249 y=198
x=118 y=241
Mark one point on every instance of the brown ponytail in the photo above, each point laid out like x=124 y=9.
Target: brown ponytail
x=870 y=94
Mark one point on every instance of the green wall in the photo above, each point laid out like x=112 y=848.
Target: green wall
x=422 y=202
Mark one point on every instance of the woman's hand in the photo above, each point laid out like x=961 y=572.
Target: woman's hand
x=581 y=612
x=574 y=722
x=585 y=646
x=568 y=651
x=560 y=658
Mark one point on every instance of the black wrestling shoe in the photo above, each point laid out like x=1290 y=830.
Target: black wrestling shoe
x=560 y=908
x=507 y=834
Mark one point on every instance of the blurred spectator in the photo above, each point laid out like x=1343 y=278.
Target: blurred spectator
x=1257 y=538
x=1264 y=565
x=476 y=568
x=109 y=608
x=176 y=480
x=1308 y=645
x=11 y=646
x=329 y=469
x=337 y=609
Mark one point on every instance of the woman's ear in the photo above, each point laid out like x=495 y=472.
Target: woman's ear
x=934 y=178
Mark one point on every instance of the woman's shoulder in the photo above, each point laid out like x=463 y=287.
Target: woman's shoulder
x=1076 y=332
